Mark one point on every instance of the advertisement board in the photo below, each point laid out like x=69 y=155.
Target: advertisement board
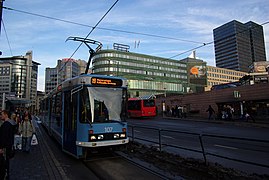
x=261 y=66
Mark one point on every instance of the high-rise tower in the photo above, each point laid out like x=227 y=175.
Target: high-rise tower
x=238 y=45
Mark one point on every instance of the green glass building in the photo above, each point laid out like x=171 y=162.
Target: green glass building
x=146 y=75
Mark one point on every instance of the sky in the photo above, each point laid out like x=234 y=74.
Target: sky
x=164 y=28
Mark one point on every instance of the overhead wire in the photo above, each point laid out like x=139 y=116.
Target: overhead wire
x=7 y=37
x=211 y=42
x=102 y=28
x=93 y=28
x=129 y=32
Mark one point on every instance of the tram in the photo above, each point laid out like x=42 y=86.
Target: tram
x=87 y=111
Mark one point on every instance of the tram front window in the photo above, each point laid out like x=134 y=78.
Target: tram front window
x=101 y=104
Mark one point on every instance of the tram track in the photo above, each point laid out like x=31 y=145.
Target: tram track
x=106 y=165
x=119 y=167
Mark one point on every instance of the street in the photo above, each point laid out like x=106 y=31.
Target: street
x=185 y=134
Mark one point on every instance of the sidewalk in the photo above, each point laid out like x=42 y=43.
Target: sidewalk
x=261 y=124
x=39 y=164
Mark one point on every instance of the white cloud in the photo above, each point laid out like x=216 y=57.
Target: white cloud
x=192 y=20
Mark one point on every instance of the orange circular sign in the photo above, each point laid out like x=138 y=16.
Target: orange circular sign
x=194 y=70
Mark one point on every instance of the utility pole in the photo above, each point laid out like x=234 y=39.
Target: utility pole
x=1 y=10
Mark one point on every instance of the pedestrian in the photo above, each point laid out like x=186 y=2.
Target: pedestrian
x=167 y=110
x=26 y=129
x=210 y=111
x=176 y=111
x=184 y=112
x=180 y=111
x=248 y=116
x=17 y=137
x=173 y=111
x=229 y=112
x=6 y=141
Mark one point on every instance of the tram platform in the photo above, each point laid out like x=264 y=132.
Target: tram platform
x=39 y=164
x=47 y=161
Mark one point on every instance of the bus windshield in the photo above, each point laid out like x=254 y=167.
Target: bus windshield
x=149 y=103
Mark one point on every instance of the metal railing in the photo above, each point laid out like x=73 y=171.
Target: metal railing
x=200 y=139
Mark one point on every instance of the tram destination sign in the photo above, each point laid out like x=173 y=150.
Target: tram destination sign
x=106 y=82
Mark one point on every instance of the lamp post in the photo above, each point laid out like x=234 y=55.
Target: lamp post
x=163 y=103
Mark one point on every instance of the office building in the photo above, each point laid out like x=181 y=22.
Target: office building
x=217 y=76
x=207 y=76
x=146 y=75
x=66 y=68
x=238 y=45
x=18 y=80
x=196 y=73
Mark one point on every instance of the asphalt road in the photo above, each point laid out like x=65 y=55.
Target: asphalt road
x=255 y=152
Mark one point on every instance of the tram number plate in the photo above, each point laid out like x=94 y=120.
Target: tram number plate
x=108 y=129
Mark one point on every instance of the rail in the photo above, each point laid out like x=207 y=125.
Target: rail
x=200 y=139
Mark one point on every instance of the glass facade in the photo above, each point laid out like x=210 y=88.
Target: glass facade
x=238 y=45
x=146 y=74
x=19 y=77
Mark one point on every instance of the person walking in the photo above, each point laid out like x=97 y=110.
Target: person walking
x=210 y=111
x=17 y=136
x=7 y=131
x=26 y=129
x=184 y=112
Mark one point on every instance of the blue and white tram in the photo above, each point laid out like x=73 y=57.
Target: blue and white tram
x=87 y=111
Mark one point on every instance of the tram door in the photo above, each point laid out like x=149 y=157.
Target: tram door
x=70 y=127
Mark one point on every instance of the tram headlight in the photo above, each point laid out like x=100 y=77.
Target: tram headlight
x=93 y=138
x=101 y=136
x=116 y=136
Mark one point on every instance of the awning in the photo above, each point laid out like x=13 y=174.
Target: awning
x=15 y=101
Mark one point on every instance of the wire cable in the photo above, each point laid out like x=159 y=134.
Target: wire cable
x=124 y=31
x=7 y=37
x=225 y=38
x=93 y=28
x=102 y=28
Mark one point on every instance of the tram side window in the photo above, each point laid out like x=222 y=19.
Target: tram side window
x=67 y=109
x=85 y=106
x=70 y=111
x=74 y=111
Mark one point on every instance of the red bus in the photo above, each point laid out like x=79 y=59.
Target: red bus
x=138 y=107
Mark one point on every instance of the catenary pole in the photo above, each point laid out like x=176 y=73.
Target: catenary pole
x=1 y=10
